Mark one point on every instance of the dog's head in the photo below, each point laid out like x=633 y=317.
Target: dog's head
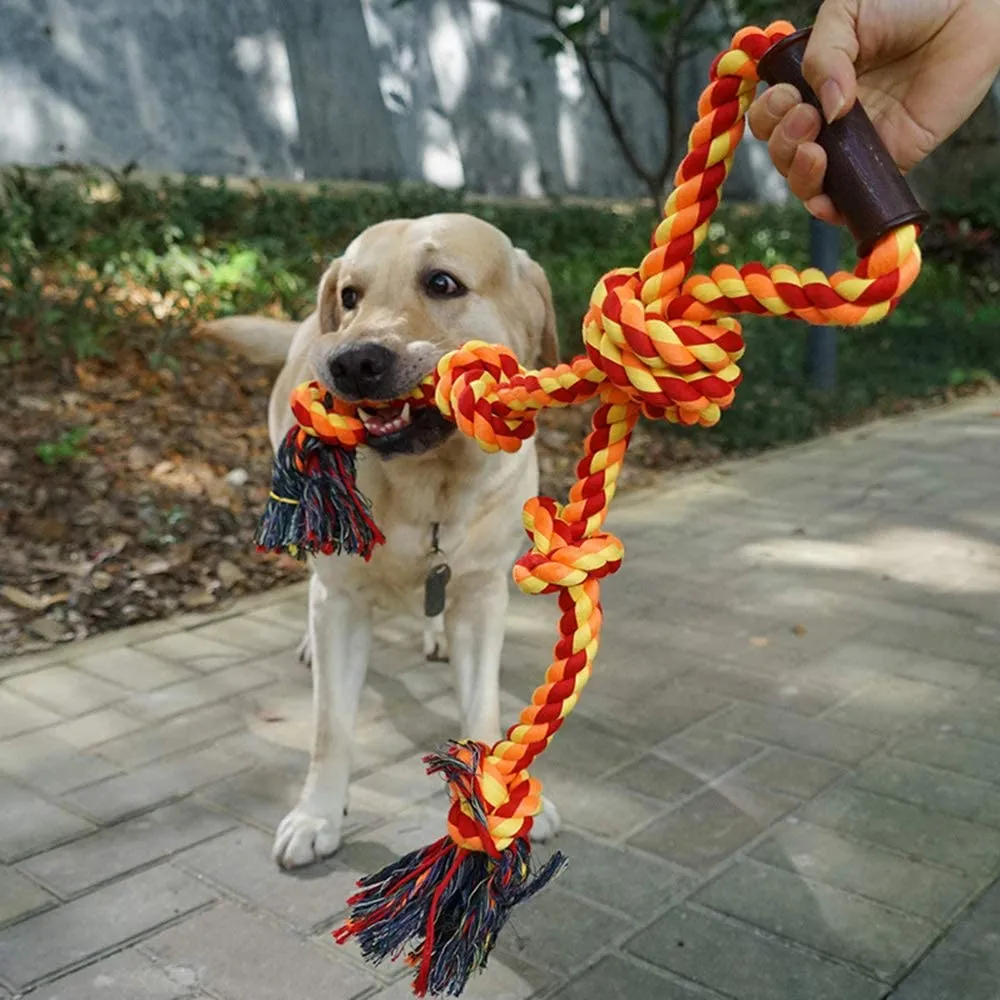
x=407 y=291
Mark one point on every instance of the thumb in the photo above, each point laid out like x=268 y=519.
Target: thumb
x=828 y=63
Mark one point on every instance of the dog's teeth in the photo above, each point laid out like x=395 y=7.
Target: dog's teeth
x=379 y=425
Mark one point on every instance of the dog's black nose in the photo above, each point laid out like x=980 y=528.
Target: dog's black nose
x=362 y=371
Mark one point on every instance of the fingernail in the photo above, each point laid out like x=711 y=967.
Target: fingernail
x=832 y=99
x=780 y=100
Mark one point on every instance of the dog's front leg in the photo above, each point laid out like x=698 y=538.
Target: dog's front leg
x=340 y=635
x=475 y=622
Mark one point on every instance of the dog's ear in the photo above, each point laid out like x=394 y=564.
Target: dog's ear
x=544 y=343
x=328 y=299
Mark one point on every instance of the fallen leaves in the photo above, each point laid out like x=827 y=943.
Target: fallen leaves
x=157 y=512
x=140 y=457
x=100 y=542
x=167 y=561
x=194 y=478
x=229 y=574
x=113 y=545
x=31 y=602
x=152 y=566
x=194 y=599
x=44 y=529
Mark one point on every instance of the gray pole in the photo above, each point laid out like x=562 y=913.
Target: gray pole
x=821 y=348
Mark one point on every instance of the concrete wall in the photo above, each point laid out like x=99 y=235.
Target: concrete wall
x=452 y=92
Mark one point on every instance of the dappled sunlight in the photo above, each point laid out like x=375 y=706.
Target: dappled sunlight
x=410 y=91
x=514 y=129
x=467 y=97
x=936 y=559
x=569 y=80
x=442 y=163
x=71 y=46
x=23 y=135
x=484 y=18
x=265 y=58
x=450 y=58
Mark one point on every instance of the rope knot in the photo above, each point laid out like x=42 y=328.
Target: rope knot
x=491 y=807
x=322 y=415
x=564 y=553
x=680 y=369
x=468 y=391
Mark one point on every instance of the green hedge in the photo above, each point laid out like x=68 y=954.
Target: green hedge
x=87 y=259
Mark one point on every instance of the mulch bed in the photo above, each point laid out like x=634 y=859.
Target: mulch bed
x=129 y=494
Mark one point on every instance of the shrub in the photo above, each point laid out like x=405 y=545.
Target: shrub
x=89 y=261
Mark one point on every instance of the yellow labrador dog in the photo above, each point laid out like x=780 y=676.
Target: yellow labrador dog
x=403 y=293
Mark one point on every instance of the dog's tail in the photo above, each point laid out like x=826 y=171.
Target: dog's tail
x=260 y=339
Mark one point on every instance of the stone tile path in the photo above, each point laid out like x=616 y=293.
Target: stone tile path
x=783 y=782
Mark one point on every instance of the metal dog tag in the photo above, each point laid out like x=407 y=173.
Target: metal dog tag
x=435 y=587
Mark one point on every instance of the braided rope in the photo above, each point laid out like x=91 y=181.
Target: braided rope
x=659 y=342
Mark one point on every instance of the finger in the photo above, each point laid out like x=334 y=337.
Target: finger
x=801 y=124
x=823 y=209
x=832 y=50
x=805 y=176
x=767 y=111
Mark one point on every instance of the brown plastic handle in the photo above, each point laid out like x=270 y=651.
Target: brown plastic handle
x=862 y=179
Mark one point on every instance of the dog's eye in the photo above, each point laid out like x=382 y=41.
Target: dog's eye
x=349 y=297
x=442 y=285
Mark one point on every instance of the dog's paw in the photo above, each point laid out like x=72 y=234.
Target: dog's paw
x=546 y=824
x=303 y=838
x=305 y=650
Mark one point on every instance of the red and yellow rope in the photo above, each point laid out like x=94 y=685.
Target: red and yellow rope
x=659 y=341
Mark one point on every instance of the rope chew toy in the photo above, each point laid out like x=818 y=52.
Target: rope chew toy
x=659 y=342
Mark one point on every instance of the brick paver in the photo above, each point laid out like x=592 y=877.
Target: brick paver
x=240 y=954
x=781 y=783
x=93 y=925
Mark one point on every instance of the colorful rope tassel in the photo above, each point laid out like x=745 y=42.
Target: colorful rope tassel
x=315 y=505
x=452 y=898
x=659 y=342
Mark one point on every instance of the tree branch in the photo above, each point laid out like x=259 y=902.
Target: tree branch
x=676 y=58
x=612 y=50
x=615 y=124
x=619 y=55
x=673 y=52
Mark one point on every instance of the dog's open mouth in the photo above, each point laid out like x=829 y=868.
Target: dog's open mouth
x=389 y=418
x=403 y=427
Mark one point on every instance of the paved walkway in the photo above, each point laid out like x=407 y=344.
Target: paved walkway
x=782 y=784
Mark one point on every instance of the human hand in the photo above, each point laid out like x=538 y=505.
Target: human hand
x=919 y=67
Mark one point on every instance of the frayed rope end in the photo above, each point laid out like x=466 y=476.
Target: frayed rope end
x=443 y=905
x=315 y=505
